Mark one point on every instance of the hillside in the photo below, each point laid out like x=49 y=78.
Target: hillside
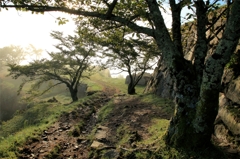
x=106 y=123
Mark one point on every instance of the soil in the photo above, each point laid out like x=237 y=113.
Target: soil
x=67 y=138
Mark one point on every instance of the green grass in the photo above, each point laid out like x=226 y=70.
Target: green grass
x=54 y=153
x=166 y=105
x=119 y=83
x=157 y=130
x=31 y=122
x=105 y=111
x=23 y=126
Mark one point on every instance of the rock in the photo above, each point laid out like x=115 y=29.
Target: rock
x=143 y=81
x=101 y=133
x=45 y=138
x=221 y=132
x=223 y=101
x=113 y=154
x=233 y=151
x=75 y=148
x=232 y=90
x=161 y=82
x=97 y=144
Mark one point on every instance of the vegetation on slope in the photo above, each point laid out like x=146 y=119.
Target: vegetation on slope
x=136 y=124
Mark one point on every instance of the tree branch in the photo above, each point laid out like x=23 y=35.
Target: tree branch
x=129 y=23
x=110 y=9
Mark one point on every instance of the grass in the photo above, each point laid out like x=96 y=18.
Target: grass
x=166 y=105
x=122 y=133
x=118 y=83
x=30 y=123
x=54 y=153
x=105 y=111
x=157 y=130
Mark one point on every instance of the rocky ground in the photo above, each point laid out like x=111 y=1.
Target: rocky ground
x=66 y=138
x=76 y=134
x=70 y=137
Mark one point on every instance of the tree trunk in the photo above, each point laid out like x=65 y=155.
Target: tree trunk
x=193 y=122
x=131 y=88
x=73 y=93
x=196 y=90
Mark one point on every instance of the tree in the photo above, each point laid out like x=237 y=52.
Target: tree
x=196 y=84
x=68 y=66
x=124 y=51
x=132 y=56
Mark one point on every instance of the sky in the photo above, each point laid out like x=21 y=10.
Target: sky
x=24 y=28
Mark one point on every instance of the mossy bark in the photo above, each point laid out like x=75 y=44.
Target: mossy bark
x=193 y=122
x=196 y=85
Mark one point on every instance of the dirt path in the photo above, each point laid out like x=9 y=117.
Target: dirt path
x=66 y=138
x=71 y=136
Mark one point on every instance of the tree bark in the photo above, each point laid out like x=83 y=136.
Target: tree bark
x=131 y=88
x=192 y=124
x=73 y=93
x=176 y=24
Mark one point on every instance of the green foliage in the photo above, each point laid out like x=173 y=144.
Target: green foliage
x=62 y=21
x=121 y=48
x=68 y=66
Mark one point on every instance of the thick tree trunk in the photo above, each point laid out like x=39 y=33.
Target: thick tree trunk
x=193 y=122
x=196 y=87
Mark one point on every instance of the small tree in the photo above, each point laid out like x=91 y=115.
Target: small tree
x=124 y=50
x=132 y=56
x=68 y=66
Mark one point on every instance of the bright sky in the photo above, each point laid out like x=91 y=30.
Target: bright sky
x=24 y=28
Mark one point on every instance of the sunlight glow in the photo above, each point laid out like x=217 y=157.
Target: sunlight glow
x=24 y=28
